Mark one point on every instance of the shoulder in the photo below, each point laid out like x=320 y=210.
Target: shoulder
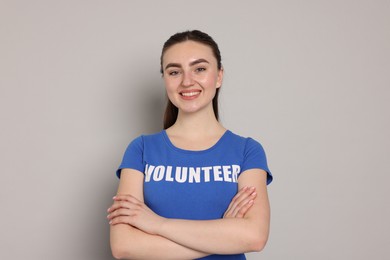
x=245 y=142
x=145 y=138
x=253 y=153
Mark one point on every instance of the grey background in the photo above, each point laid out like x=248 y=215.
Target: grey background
x=309 y=79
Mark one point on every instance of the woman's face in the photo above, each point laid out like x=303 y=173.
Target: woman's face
x=191 y=76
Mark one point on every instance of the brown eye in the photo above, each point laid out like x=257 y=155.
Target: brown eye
x=200 y=69
x=173 y=73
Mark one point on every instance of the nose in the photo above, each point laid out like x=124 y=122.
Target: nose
x=187 y=79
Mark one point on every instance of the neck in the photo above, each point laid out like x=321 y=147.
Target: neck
x=197 y=124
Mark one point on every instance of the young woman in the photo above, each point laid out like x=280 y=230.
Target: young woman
x=195 y=189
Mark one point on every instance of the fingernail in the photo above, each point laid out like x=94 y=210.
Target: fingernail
x=250 y=202
x=252 y=188
x=114 y=197
x=254 y=194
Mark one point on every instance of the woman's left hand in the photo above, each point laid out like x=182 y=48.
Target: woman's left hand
x=126 y=209
x=241 y=203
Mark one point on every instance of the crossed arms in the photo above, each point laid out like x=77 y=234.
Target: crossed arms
x=136 y=232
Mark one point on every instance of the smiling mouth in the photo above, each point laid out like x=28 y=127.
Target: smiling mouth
x=190 y=94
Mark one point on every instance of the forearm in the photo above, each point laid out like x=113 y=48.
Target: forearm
x=139 y=233
x=227 y=235
x=128 y=242
x=222 y=236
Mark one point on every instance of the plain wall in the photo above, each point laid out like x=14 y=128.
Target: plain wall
x=308 y=79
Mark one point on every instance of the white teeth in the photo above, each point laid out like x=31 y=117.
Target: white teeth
x=190 y=94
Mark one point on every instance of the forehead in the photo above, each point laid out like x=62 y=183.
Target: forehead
x=188 y=51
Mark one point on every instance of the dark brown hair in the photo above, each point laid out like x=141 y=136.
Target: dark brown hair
x=171 y=111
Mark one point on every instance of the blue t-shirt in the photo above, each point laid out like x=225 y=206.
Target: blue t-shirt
x=196 y=185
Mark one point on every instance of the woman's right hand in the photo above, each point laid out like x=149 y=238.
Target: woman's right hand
x=241 y=203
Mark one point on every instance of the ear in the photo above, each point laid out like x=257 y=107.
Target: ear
x=220 y=77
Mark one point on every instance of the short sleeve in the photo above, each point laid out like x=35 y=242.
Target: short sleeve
x=254 y=157
x=133 y=157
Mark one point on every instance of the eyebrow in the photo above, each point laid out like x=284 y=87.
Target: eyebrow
x=177 y=65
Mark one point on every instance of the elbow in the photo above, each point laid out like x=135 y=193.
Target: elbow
x=118 y=252
x=257 y=243
x=122 y=245
x=120 y=249
x=125 y=249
